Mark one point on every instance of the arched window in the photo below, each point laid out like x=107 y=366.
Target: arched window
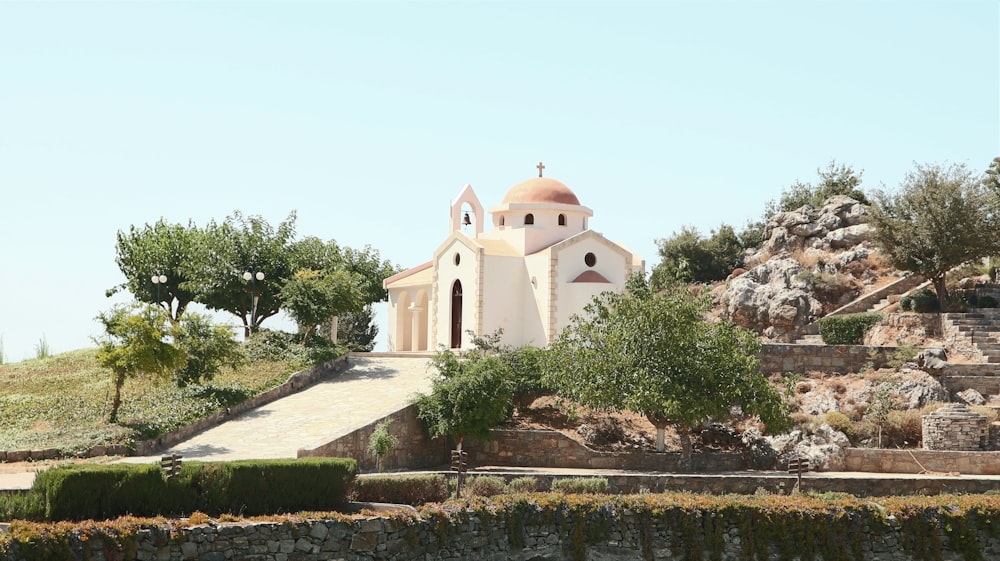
x=529 y=219
x=562 y=219
x=456 y=314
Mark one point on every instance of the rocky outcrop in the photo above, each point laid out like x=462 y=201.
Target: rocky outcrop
x=824 y=448
x=810 y=262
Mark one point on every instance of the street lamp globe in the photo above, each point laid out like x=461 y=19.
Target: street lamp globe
x=247 y=275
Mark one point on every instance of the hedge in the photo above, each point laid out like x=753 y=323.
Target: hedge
x=412 y=490
x=848 y=329
x=251 y=487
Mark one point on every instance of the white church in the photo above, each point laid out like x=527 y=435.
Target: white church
x=538 y=264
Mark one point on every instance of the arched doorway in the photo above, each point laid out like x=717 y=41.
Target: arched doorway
x=456 y=314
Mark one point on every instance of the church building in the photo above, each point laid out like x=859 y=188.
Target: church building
x=537 y=265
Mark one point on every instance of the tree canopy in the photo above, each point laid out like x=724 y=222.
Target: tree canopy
x=701 y=259
x=939 y=218
x=654 y=353
x=172 y=251
x=136 y=341
x=836 y=179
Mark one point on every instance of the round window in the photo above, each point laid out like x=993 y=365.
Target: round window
x=590 y=259
x=458 y=259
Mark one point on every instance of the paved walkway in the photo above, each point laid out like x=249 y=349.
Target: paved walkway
x=371 y=388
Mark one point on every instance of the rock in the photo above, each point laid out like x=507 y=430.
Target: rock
x=932 y=359
x=824 y=449
x=850 y=236
x=971 y=397
x=919 y=388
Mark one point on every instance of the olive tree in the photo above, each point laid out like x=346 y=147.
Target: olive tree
x=939 y=218
x=655 y=354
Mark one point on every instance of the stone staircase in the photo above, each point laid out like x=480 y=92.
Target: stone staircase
x=978 y=331
x=872 y=302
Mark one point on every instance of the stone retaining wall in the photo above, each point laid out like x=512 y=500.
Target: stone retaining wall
x=881 y=460
x=544 y=448
x=414 y=449
x=779 y=358
x=468 y=535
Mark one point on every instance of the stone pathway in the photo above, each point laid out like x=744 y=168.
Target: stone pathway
x=373 y=387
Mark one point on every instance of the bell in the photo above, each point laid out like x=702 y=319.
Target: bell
x=466 y=221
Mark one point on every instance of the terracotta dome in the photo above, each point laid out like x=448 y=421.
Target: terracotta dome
x=541 y=190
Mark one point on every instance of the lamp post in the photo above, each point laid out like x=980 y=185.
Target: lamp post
x=159 y=280
x=253 y=278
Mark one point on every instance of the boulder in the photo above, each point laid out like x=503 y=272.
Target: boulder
x=824 y=448
x=971 y=397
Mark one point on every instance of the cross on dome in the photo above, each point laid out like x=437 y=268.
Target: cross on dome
x=540 y=167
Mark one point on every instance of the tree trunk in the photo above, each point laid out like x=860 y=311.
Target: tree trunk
x=661 y=433
x=941 y=289
x=116 y=402
x=684 y=465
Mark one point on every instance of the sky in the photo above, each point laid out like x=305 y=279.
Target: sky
x=367 y=119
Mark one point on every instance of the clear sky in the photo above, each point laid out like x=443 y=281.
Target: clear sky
x=368 y=118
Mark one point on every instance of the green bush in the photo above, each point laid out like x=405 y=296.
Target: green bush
x=486 y=486
x=922 y=301
x=580 y=485
x=526 y=484
x=19 y=505
x=403 y=489
x=848 y=329
x=252 y=487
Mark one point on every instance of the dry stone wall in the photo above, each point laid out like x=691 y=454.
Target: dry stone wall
x=468 y=535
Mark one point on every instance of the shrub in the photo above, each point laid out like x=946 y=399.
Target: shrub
x=922 y=301
x=526 y=484
x=82 y=491
x=848 y=329
x=486 y=486
x=838 y=421
x=580 y=485
x=17 y=505
x=409 y=489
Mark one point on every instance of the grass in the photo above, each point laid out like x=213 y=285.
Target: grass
x=62 y=401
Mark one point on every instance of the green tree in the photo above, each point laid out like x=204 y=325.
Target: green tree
x=356 y=330
x=381 y=442
x=136 y=341
x=939 y=218
x=313 y=297
x=701 y=259
x=248 y=244
x=208 y=347
x=172 y=251
x=469 y=396
x=836 y=179
x=655 y=354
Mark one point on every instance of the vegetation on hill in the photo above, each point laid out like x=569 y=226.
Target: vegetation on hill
x=63 y=401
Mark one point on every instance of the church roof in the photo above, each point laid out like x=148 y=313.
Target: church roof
x=498 y=247
x=419 y=275
x=541 y=190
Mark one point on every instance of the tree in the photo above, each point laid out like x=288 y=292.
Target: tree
x=356 y=330
x=469 y=396
x=836 y=179
x=941 y=217
x=248 y=244
x=655 y=354
x=313 y=297
x=136 y=341
x=705 y=259
x=208 y=348
x=381 y=442
x=172 y=251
